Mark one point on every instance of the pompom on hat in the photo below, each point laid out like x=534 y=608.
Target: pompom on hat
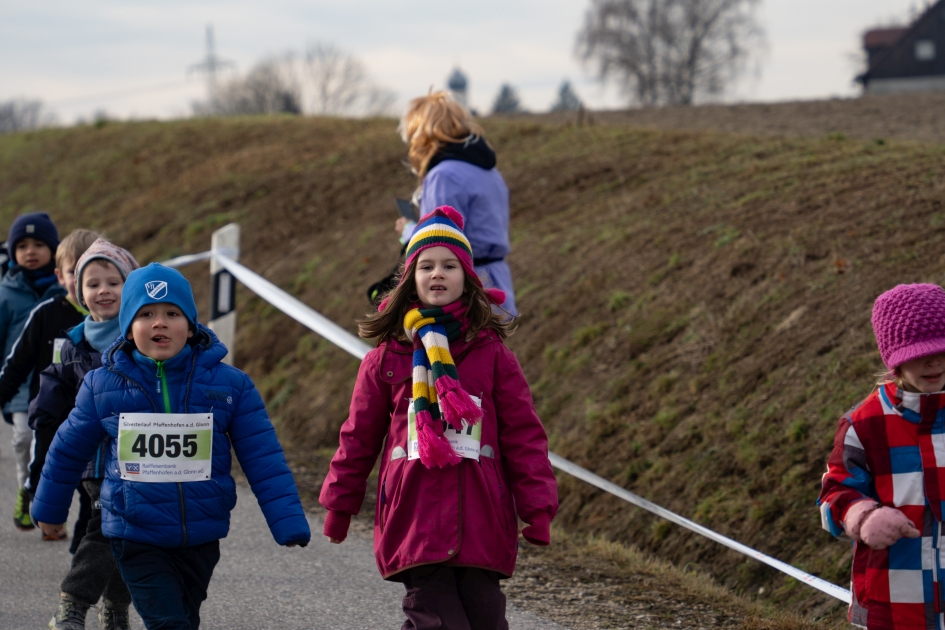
x=909 y=323
x=444 y=228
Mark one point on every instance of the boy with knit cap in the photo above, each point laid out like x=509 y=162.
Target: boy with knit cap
x=42 y=336
x=170 y=411
x=100 y=276
x=885 y=480
x=32 y=244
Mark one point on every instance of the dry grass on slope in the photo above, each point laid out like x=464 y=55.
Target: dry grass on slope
x=587 y=583
x=714 y=328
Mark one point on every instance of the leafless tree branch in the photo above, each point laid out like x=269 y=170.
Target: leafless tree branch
x=338 y=79
x=323 y=81
x=23 y=115
x=669 y=51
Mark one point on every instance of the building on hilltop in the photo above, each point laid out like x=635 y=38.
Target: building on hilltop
x=458 y=87
x=910 y=59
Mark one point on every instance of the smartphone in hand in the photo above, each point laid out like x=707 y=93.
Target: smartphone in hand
x=406 y=209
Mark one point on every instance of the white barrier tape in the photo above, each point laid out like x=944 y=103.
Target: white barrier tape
x=296 y=309
x=181 y=261
x=337 y=335
x=585 y=475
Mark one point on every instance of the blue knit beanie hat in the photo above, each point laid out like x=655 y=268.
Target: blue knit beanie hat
x=155 y=284
x=36 y=225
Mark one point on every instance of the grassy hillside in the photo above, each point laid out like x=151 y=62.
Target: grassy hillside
x=695 y=305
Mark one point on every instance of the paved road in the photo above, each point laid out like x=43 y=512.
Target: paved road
x=257 y=585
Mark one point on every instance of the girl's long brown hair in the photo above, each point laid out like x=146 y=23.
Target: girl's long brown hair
x=431 y=122
x=389 y=323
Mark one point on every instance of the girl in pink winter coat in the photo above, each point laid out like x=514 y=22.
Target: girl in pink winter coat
x=463 y=453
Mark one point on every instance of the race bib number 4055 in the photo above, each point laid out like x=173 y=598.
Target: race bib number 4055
x=162 y=447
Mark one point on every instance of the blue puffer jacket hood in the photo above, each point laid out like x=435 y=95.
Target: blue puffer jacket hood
x=172 y=514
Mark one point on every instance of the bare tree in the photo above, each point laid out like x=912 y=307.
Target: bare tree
x=669 y=51
x=337 y=78
x=22 y=115
x=322 y=81
x=507 y=101
x=269 y=88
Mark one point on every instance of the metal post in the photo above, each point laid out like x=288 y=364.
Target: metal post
x=226 y=240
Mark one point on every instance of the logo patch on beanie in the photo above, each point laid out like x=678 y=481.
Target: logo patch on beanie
x=30 y=229
x=156 y=289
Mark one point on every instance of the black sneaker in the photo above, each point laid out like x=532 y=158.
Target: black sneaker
x=113 y=616
x=70 y=616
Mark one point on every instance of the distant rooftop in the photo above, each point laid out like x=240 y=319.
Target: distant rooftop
x=908 y=58
x=883 y=37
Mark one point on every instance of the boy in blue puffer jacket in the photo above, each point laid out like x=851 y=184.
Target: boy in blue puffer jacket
x=168 y=493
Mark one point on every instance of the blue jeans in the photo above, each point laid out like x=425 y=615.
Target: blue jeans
x=167 y=585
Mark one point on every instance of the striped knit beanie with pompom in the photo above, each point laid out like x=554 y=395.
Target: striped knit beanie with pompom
x=444 y=228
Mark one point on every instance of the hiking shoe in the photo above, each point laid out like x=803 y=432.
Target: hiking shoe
x=113 y=616
x=70 y=616
x=21 y=511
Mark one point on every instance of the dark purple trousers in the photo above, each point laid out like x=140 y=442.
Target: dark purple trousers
x=445 y=597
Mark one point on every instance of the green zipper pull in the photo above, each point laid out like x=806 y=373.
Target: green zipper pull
x=162 y=386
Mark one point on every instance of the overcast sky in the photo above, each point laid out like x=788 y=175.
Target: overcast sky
x=131 y=58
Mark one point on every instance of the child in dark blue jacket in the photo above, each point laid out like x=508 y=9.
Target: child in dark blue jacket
x=100 y=276
x=37 y=347
x=32 y=245
x=171 y=411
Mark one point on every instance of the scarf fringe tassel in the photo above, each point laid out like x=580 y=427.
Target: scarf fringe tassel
x=435 y=449
x=455 y=403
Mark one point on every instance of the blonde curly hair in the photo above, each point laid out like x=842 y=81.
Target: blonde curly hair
x=431 y=122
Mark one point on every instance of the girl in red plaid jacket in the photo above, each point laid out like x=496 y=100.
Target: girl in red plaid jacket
x=885 y=481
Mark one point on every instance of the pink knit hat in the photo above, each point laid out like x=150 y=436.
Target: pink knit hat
x=103 y=250
x=909 y=322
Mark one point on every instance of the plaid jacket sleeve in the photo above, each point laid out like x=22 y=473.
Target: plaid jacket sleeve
x=848 y=478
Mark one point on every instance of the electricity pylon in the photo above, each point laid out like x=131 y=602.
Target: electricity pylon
x=212 y=65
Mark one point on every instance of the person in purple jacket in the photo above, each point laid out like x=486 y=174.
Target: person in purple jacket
x=456 y=167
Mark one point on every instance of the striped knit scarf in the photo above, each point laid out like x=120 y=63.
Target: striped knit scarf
x=437 y=393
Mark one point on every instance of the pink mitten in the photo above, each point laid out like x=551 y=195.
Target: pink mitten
x=539 y=532
x=884 y=526
x=855 y=516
